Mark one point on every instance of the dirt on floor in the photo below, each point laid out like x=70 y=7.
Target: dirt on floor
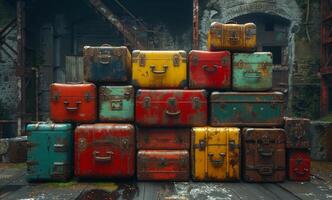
x=322 y=170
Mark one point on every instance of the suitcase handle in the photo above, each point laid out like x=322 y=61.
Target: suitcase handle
x=71 y=109
x=103 y=158
x=210 y=68
x=254 y=74
x=265 y=171
x=173 y=113
x=216 y=162
x=297 y=171
x=265 y=153
x=153 y=69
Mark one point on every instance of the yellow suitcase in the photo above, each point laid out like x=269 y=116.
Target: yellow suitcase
x=215 y=154
x=233 y=37
x=159 y=69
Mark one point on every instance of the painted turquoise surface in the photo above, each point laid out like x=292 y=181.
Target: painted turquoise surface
x=42 y=151
x=117 y=93
x=252 y=71
x=245 y=109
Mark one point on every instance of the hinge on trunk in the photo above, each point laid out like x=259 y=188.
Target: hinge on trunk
x=201 y=145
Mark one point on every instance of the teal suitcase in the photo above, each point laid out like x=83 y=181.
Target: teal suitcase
x=50 y=152
x=252 y=71
x=116 y=103
x=251 y=109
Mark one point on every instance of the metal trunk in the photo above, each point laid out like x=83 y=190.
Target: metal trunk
x=247 y=109
x=163 y=139
x=159 y=69
x=170 y=165
x=116 y=103
x=215 y=154
x=171 y=108
x=297 y=133
x=252 y=71
x=209 y=70
x=107 y=64
x=50 y=149
x=105 y=150
x=73 y=102
x=299 y=165
x=264 y=155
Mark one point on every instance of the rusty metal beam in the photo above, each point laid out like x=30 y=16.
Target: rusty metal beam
x=195 y=25
x=20 y=65
x=127 y=33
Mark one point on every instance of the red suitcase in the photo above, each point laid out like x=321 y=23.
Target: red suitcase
x=171 y=107
x=104 y=150
x=163 y=139
x=210 y=70
x=162 y=165
x=73 y=103
x=299 y=165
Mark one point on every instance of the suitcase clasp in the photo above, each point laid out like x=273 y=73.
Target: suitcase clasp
x=196 y=103
x=217 y=163
x=146 y=103
x=116 y=104
x=201 y=145
x=176 y=60
x=104 y=56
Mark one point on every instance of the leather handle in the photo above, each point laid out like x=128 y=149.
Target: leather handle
x=212 y=68
x=173 y=113
x=254 y=74
x=265 y=171
x=103 y=158
x=266 y=153
x=153 y=69
x=217 y=162
x=71 y=109
x=298 y=172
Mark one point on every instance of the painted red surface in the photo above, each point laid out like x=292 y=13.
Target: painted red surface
x=171 y=107
x=210 y=70
x=158 y=165
x=104 y=150
x=299 y=165
x=73 y=102
x=163 y=139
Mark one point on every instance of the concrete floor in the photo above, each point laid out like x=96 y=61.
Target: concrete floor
x=14 y=186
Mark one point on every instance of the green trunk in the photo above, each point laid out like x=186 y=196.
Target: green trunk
x=252 y=71
x=50 y=151
x=116 y=103
x=247 y=109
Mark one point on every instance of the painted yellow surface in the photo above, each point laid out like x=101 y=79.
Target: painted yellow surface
x=216 y=153
x=159 y=69
x=232 y=37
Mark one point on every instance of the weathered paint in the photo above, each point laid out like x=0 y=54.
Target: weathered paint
x=116 y=103
x=163 y=138
x=264 y=155
x=234 y=37
x=50 y=149
x=297 y=133
x=215 y=154
x=105 y=150
x=299 y=165
x=107 y=64
x=171 y=108
x=73 y=102
x=252 y=71
x=171 y=165
x=209 y=70
x=159 y=69
x=247 y=109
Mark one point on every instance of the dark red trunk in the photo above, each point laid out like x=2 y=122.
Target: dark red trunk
x=104 y=150
x=209 y=70
x=171 y=107
x=299 y=165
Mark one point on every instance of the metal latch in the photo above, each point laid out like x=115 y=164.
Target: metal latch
x=147 y=102
x=201 y=145
x=116 y=104
x=196 y=103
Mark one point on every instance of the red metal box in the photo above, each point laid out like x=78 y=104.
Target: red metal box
x=299 y=165
x=171 y=108
x=163 y=139
x=105 y=150
x=73 y=102
x=162 y=165
x=264 y=155
x=209 y=70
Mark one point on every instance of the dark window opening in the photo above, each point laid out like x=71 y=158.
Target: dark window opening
x=276 y=53
x=269 y=26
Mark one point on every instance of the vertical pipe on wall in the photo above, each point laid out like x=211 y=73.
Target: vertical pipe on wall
x=195 y=25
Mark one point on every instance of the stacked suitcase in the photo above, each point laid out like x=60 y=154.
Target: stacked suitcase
x=210 y=115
